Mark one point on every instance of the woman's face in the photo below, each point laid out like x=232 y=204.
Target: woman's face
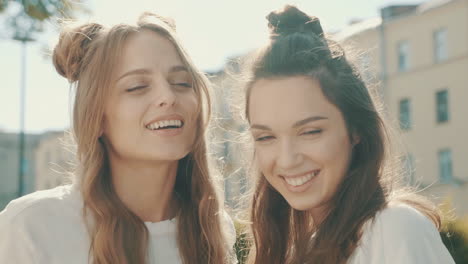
x=151 y=114
x=302 y=145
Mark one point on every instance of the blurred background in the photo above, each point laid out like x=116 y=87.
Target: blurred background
x=415 y=54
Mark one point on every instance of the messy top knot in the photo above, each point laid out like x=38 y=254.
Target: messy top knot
x=291 y=20
x=148 y=17
x=71 y=49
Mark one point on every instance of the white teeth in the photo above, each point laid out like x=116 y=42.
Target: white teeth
x=174 y=122
x=165 y=123
x=297 y=181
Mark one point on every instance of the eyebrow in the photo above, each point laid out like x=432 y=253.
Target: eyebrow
x=308 y=120
x=145 y=71
x=178 y=68
x=297 y=124
x=141 y=71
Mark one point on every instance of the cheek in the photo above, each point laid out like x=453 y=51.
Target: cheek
x=122 y=118
x=189 y=102
x=188 y=106
x=337 y=155
x=192 y=113
x=120 y=115
x=264 y=159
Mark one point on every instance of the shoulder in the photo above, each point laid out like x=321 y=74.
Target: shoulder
x=402 y=234
x=228 y=225
x=44 y=227
x=404 y=220
x=39 y=204
x=403 y=224
x=230 y=233
x=34 y=223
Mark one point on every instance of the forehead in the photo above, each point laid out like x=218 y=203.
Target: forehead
x=148 y=49
x=287 y=100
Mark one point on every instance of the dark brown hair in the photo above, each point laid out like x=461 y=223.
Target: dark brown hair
x=299 y=47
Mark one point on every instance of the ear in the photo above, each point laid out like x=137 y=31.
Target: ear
x=102 y=128
x=355 y=139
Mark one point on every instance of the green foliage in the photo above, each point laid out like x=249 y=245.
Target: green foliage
x=44 y=9
x=26 y=17
x=3 y=5
x=242 y=245
x=455 y=237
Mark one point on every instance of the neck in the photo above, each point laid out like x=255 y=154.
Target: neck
x=146 y=188
x=318 y=214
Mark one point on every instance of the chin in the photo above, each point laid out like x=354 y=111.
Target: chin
x=301 y=206
x=173 y=156
x=168 y=152
x=302 y=203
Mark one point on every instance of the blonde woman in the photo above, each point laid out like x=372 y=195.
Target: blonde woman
x=324 y=191
x=143 y=192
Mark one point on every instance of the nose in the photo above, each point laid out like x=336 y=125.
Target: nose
x=289 y=156
x=165 y=95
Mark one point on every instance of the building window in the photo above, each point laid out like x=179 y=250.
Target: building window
x=445 y=166
x=440 y=45
x=403 y=56
x=405 y=114
x=442 y=106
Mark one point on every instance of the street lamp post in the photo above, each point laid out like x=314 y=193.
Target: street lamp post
x=21 y=165
x=28 y=20
x=24 y=27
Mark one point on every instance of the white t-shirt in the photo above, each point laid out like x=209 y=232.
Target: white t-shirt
x=47 y=227
x=400 y=234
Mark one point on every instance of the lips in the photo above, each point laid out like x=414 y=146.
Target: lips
x=300 y=180
x=166 y=122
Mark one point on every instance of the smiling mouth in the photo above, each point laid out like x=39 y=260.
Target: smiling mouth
x=165 y=125
x=301 y=180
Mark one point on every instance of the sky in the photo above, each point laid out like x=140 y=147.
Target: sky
x=210 y=30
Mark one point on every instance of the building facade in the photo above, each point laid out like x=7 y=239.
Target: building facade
x=9 y=165
x=417 y=57
x=54 y=161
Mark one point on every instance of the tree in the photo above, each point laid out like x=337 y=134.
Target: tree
x=26 y=18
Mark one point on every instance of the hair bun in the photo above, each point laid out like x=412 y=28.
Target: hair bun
x=72 y=47
x=148 y=17
x=291 y=20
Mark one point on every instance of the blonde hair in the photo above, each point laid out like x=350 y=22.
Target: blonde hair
x=86 y=56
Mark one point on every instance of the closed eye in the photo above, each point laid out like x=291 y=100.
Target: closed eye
x=265 y=138
x=312 y=132
x=188 y=85
x=136 y=88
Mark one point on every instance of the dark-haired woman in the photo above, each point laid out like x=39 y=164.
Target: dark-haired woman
x=324 y=191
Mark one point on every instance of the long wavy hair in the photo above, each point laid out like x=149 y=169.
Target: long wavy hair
x=281 y=234
x=86 y=55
